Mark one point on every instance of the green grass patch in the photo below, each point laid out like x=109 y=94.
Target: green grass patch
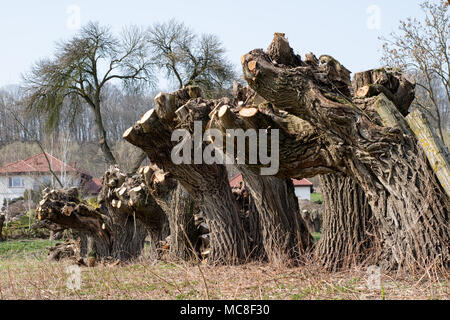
x=316 y=197
x=22 y=247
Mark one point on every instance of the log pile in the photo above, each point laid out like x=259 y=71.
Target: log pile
x=64 y=209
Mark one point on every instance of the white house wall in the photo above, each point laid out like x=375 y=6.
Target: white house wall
x=303 y=192
x=31 y=182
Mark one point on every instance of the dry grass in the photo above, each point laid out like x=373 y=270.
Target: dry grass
x=32 y=277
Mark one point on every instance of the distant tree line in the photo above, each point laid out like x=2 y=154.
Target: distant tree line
x=120 y=112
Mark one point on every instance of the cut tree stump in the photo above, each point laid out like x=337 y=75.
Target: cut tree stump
x=132 y=209
x=81 y=217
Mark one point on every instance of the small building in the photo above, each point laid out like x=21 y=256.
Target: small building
x=31 y=173
x=303 y=188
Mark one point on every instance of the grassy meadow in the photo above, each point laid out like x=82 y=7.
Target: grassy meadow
x=25 y=273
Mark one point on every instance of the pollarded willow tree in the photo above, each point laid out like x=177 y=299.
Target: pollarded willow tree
x=206 y=183
x=81 y=69
x=284 y=234
x=365 y=136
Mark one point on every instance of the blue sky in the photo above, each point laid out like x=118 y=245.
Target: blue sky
x=344 y=29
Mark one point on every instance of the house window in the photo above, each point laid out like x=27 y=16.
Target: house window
x=15 y=182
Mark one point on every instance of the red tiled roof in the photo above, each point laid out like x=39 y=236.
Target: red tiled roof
x=38 y=164
x=236 y=181
x=301 y=183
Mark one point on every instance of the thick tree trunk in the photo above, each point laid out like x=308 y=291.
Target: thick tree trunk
x=179 y=207
x=348 y=234
x=133 y=212
x=285 y=235
x=183 y=232
x=207 y=184
x=2 y=220
x=107 y=232
x=368 y=139
x=128 y=234
x=104 y=146
x=229 y=243
x=252 y=222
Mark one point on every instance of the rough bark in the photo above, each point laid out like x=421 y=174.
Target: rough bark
x=207 y=184
x=285 y=235
x=376 y=148
x=2 y=220
x=348 y=234
x=179 y=207
x=252 y=222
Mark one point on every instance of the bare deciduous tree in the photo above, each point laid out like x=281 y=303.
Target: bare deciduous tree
x=423 y=49
x=81 y=68
x=191 y=59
